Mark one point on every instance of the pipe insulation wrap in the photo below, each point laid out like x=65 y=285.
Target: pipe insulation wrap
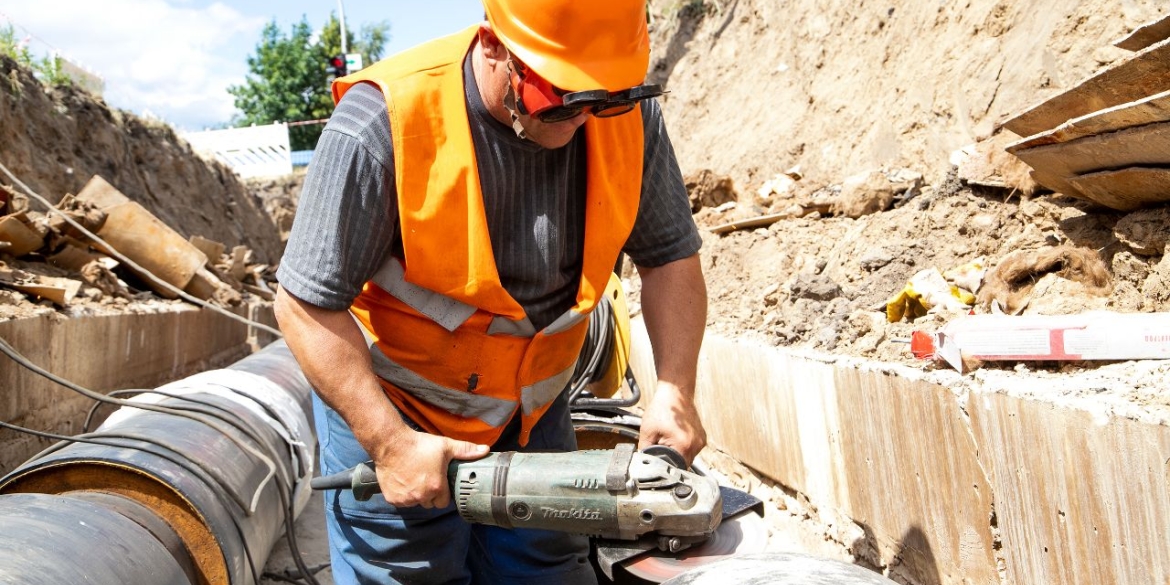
x=263 y=398
x=214 y=496
x=116 y=549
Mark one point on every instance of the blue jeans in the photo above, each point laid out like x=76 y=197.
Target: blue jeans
x=374 y=542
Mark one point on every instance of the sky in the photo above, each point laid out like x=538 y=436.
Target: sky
x=175 y=59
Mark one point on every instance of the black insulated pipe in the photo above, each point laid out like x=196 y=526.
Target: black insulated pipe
x=198 y=499
x=87 y=542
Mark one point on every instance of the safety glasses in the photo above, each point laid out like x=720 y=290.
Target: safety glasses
x=538 y=98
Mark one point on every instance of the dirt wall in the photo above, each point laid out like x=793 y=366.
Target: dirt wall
x=55 y=140
x=839 y=87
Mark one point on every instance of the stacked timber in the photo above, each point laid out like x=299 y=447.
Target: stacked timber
x=89 y=242
x=1107 y=139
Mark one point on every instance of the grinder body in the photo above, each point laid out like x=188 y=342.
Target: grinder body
x=614 y=494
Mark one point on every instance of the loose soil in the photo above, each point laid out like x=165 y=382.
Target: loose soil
x=843 y=117
x=846 y=117
x=804 y=107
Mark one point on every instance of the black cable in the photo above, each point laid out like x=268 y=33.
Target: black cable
x=288 y=577
x=179 y=461
x=214 y=483
x=20 y=359
x=235 y=420
x=102 y=399
x=301 y=470
x=605 y=334
x=596 y=351
x=287 y=496
x=596 y=354
x=97 y=404
x=285 y=489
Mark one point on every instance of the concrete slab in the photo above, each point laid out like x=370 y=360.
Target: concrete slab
x=1082 y=498
x=109 y=352
x=949 y=479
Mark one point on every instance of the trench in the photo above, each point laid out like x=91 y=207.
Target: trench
x=925 y=476
x=933 y=477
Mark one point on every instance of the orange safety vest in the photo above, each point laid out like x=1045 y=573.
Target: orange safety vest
x=453 y=350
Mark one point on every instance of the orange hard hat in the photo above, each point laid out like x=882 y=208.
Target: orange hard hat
x=576 y=45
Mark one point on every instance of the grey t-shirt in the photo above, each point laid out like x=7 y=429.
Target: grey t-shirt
x=534 y=198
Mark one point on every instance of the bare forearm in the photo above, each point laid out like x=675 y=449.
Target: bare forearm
x=332 y=352
x=674 y=307
x=412 y=466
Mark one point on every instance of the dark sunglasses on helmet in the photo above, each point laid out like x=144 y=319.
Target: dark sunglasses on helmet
x=538 y=98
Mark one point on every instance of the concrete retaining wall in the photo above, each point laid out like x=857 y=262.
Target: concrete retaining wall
x=105 y=353
x=970 y=486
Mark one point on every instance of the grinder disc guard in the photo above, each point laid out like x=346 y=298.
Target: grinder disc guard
x=742 y=534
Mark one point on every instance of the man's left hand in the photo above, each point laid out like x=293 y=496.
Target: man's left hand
x=672 y=420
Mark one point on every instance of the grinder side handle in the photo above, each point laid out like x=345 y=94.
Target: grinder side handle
x=361 y=478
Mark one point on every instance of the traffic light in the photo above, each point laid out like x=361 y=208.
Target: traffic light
x=335 y=66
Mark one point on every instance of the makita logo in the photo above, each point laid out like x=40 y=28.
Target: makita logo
x=573 y=513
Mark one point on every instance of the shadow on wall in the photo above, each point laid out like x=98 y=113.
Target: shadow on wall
x=728 y=14
x=913 y=562
x=690 y=14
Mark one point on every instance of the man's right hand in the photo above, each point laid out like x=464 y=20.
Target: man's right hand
x=412 y=467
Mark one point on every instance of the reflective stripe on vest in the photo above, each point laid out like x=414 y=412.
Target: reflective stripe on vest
x=444 y=310
x=457 y=401
x=492 y=411
x=451 y=313
x=455 y=352
x=541 y=394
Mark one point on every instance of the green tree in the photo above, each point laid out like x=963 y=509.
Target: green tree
x=370 y=41
x=287 y=81
x=47 y=69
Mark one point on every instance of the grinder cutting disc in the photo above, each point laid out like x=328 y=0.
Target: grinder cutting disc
x=741 y=534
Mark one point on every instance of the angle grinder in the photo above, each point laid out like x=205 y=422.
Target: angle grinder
x=631 y=503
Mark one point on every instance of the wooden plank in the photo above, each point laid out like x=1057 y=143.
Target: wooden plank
x=71 y=258
x=20 y=238
x=1140 y=75
x=210 y=248
x=1125 y=189
x=1145 y=35
x=1150 y=110
x=59 y=290
x=239 y=266
x=1056 y=164
x=798 y=210
x=264 y=293
x=203 y=284
x=753 y=222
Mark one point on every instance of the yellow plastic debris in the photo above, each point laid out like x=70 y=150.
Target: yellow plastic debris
x=926 y=290
x=907 y=303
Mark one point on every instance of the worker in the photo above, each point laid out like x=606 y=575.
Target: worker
x=465 y=206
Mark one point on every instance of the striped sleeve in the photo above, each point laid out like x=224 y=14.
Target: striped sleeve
x=664 y=230
x=347 y=214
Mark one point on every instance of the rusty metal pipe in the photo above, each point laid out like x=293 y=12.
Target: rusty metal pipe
x=213 y=498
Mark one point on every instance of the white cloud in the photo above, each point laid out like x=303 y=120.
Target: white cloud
x=174 y=60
